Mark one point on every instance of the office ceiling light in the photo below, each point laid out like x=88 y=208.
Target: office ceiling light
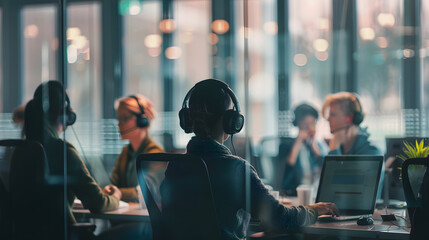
x=134 y=8
x=71 y=54
x=167 y=25
x=367 y=34
x=213 y=38
x=320 y=44
x=79 y=42
x=73 y=32
x=271 y=28
x=408 y=53
x=382 y=42
x=220 y=26
x=322 y=56
x=245 y=32
x=173 y=52
x=153 y=41
x=300 y=59
x=31 y=31
x=386 y=19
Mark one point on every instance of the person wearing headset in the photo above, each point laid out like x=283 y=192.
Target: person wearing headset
x=134 y=114
x=348 y=138
x=304 y=154
x=212 y=112
x=47 y=115
x=344 y=117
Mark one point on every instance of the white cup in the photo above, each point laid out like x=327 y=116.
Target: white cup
x=140 y=196
x=275 y=194
x=305 y=194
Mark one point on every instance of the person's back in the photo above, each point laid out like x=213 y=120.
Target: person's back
x=211 y=118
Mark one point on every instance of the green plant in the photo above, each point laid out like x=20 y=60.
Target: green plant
x=417 y=151
x=415 y=173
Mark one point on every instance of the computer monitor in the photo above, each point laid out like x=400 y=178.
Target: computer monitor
x=351 y=182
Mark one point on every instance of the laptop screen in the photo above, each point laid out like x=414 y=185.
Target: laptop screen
x=351 y=182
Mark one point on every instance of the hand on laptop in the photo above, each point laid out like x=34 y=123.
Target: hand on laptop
x=112 y=190
x=324 y=208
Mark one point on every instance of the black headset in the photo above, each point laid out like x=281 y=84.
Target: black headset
x=357 y=113
x=233 y=120
x=141 y=121
x=70 y=114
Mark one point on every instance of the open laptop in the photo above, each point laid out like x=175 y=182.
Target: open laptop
x=351 y=182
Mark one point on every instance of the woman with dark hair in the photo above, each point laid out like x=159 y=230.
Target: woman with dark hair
x=302 y=155
x=47 y=115
x=211 y=111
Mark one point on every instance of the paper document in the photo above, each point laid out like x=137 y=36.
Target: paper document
x=77 y=204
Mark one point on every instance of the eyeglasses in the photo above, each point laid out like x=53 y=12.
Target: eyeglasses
x=124 y=119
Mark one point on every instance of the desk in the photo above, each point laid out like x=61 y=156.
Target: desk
x=380 y=230
x=131 y=213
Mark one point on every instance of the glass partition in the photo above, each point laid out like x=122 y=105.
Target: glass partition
x=40 y=46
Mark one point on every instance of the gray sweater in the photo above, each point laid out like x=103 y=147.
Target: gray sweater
x=228 y=177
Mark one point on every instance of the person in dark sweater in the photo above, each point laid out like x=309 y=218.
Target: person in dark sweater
x=303 y=155
x=208 y=112
x=47 y=115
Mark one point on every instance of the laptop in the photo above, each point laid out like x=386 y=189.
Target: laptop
x=351 y=182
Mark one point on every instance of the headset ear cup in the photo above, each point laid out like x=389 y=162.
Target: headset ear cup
x=142 y=122
x=357 y=118
x=185 y=120
x=233 y=122
x=71 y=117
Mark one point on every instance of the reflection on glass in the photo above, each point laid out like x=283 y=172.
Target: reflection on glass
x=40 y=45
x=380 y=50
x=84 y=60
x=262 y=47
x=310 y=48
x=1 y=61
x=142 y=48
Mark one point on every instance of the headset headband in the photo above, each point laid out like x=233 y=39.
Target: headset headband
x=221 y=84
x=138 y=103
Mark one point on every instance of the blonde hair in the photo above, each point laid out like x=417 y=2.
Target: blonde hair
x=130 y=104
x=347 y=101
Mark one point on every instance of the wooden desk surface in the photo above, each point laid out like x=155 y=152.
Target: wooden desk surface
x=379 y=230
x=131 y=213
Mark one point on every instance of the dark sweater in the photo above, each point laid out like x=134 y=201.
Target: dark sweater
x=228 y=178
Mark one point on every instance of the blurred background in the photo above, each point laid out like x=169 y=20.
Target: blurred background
x=274 y=54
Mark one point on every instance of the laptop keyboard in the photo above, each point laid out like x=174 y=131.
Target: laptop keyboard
x=337 y=219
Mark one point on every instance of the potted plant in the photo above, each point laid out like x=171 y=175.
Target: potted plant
x=415 y=180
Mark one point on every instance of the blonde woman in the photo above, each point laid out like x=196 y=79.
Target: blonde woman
x=135 y=114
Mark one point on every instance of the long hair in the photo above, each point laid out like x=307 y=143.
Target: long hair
x=207 y=104
x=45 y=109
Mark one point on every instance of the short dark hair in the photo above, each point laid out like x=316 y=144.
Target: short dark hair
x=39 y=113
x=207 y=104
x=302 y=111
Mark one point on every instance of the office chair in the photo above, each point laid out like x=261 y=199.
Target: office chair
x=415 y=179
x=190 y=188
x=27 y=182
x=271 y=168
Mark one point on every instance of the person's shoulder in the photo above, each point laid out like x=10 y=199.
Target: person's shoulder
x=153 y=147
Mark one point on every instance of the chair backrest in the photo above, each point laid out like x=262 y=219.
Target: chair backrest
x=187 y=209
x=26 y=183
x=271 y=167
x=415 y=177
